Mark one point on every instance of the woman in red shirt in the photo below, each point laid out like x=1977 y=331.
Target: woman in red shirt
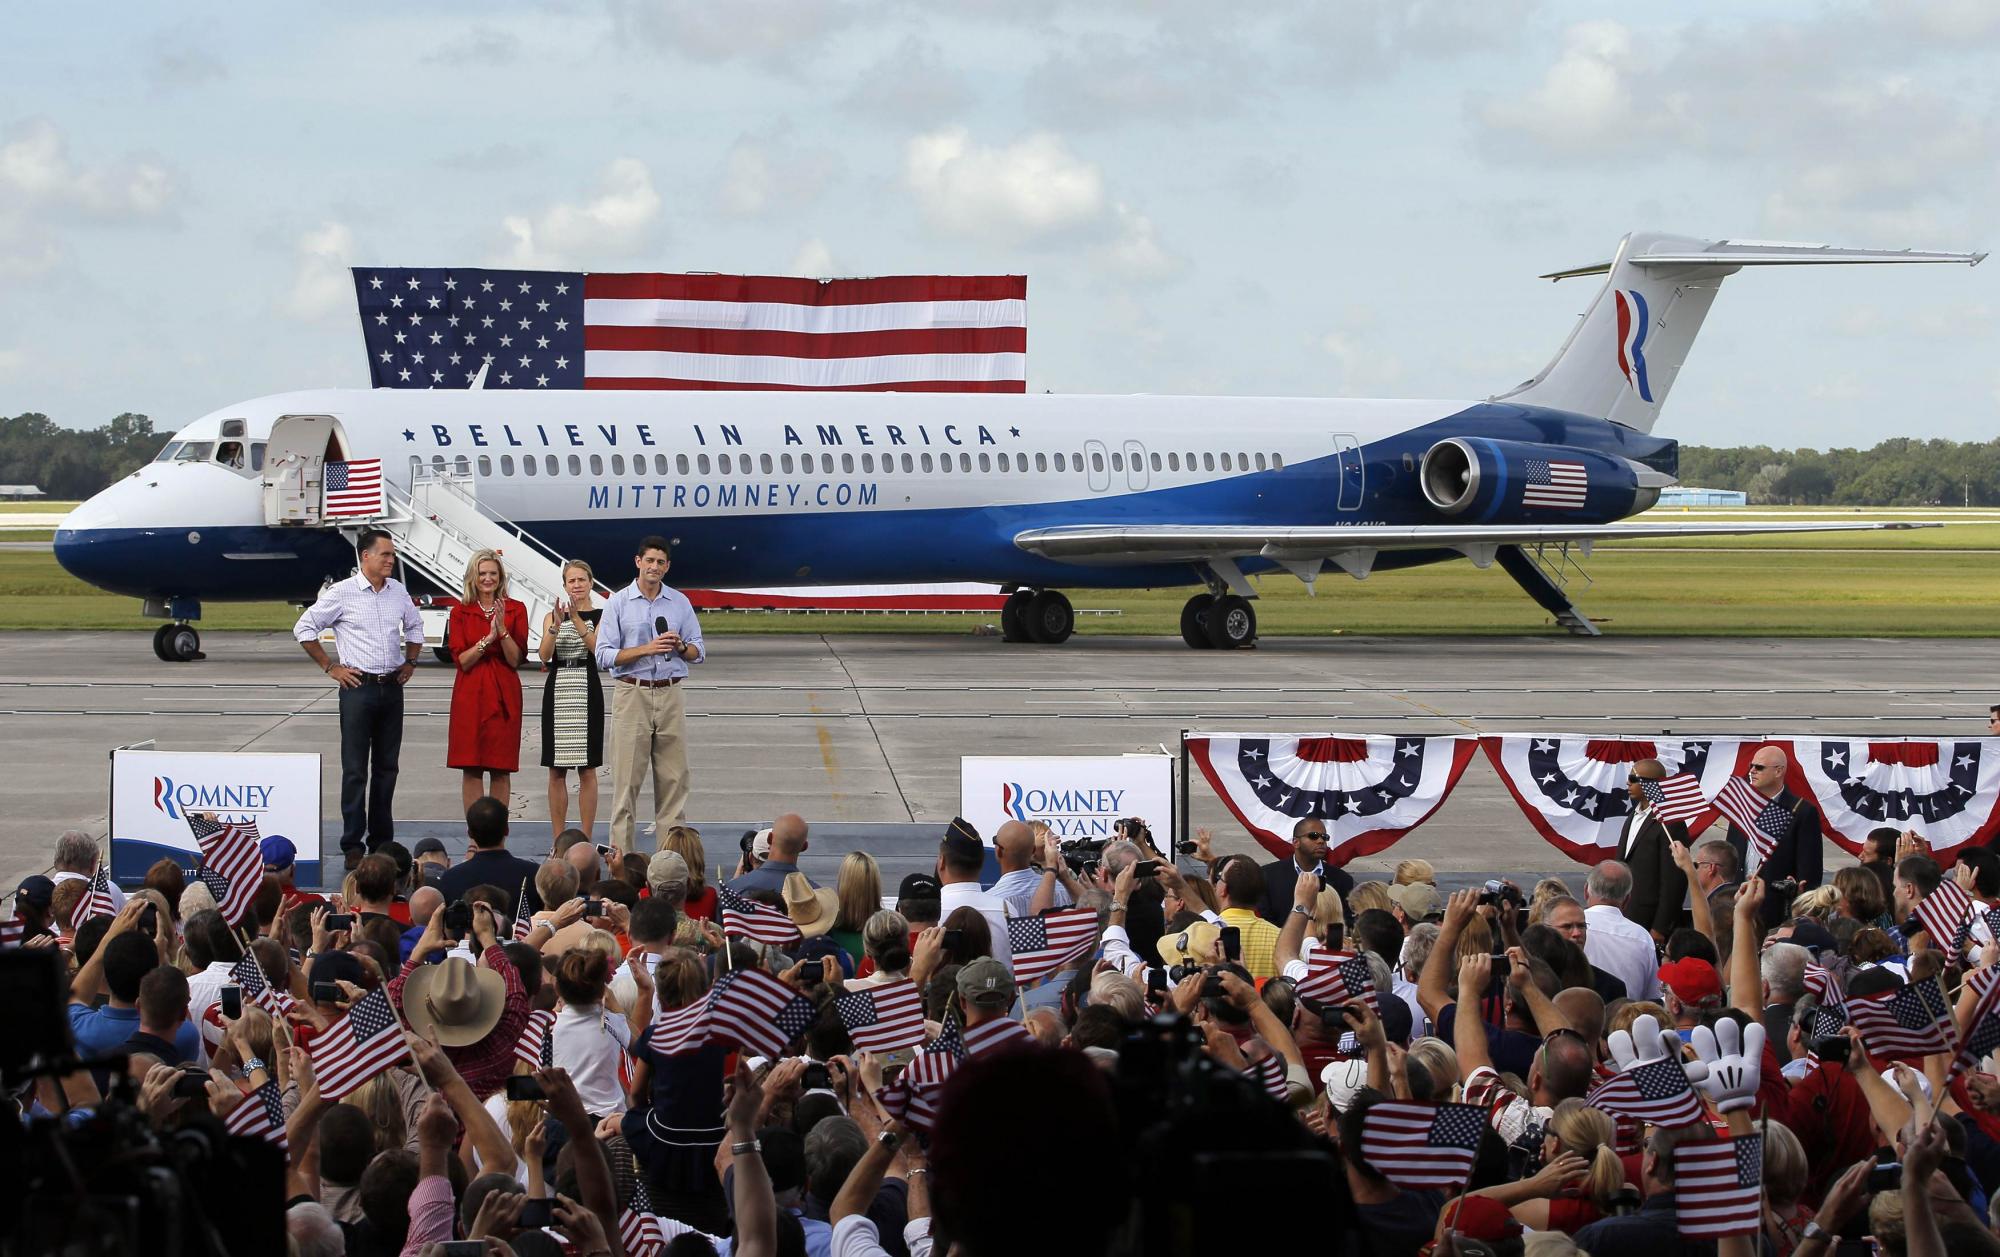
x=685 y=842
x=1580 y=1176
x=488 y=637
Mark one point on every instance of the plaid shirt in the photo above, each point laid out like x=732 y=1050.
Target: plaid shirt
x=484 y=1065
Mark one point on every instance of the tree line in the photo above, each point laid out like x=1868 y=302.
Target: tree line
x=73 y=463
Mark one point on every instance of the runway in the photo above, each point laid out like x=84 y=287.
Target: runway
x=868 y=728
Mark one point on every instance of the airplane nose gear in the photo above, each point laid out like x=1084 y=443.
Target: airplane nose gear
x=177 y=643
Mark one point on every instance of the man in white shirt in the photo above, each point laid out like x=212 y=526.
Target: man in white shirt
x=961 y=858
x=378 y=635
x=213 y=946
x=1614 y=944
x=77 y=859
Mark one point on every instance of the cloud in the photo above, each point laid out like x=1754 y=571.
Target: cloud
x=1365 y=368
x=479 y=46
x=1031 y=190
x=777 y=33
x=500 y=155
x=911 y=81
x=1135 y=251
x=322 y=285
x=181 y=66
x=1106 y=79
x=814 y=259
x=619 y=219
x=1584 y=104
x=11 y=362
x=43 y=192
x=766 y=174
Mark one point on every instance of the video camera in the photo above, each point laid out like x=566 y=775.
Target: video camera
x=1082 y=854
x=1496 y=892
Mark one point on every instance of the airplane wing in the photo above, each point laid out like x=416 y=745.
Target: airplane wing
x=1353 y=549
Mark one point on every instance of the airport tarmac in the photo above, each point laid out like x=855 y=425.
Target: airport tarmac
x=869 y=728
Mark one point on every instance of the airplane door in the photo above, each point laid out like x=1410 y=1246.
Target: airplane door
x=1097 y=466
x=1135 y=465
x=1353 y=472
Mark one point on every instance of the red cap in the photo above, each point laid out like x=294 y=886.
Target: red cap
x=1482 y=1218
x=1692 y=979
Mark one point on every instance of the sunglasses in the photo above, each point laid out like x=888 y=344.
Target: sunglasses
x=1314 y=833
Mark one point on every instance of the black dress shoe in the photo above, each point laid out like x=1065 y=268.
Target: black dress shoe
x=350 y=858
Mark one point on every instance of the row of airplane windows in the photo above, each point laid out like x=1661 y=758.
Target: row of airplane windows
x=867 y=463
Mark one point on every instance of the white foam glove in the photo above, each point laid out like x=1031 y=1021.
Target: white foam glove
x=1733 y=1058
x=1644 y=1044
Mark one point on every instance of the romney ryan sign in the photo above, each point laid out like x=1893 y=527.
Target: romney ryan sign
x=1078 y=796
x=152 y=793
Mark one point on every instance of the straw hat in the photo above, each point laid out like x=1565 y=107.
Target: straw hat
x=460 y=1001
x=811 y=910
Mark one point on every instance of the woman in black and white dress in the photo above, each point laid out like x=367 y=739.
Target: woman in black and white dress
x=572 y=699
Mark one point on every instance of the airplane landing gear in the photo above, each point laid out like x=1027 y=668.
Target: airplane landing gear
x=1194 y=621
x=177 y=643
x=1050 y=619
x=1013 y=616
x=1218 y=622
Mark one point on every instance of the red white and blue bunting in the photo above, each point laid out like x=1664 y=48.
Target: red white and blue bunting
x=1573 y=789
x=1948 y=790
x=1369 y=790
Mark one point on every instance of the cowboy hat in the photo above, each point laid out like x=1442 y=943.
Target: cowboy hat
x=457 y=1001
x=1193 y=946
x=811 y=910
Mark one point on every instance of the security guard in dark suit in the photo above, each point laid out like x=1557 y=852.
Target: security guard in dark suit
x=1658 y=885
x=1309 y=840
x=1797 y=852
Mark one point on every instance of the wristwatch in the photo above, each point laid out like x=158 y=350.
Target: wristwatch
x=252 y=1064
x=1300 y=910
x=887 y=1138
x=746 y=1147
x=1813 y=1230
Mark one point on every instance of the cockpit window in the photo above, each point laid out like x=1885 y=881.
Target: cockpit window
x=257 y=455
x=194 y=452
x=166 y=455
x=230 y=454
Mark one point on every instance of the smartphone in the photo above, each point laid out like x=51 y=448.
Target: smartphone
x=338 y=921
x=812 y=974
x=954 y=940
x=593 y=907
x=1232 y=943
x=327 y=992
x=1336 y=935
x=1156 y=981
x=232 y=1002
x=1885 y=1177
x=191 y=1085
x=608 y=851
x=1146 y=868
x=149 y=920
x=524 y=1087
x=537 y=1213
x=1501 y=965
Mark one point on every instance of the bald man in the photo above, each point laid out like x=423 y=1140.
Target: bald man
x=1014 y=846
x=788 y=843
x=1797 y=852
x=1658 y=885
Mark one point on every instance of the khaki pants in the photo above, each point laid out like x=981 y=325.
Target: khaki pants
x=646 y=730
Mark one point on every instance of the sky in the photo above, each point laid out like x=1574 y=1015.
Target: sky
x=1312 y=198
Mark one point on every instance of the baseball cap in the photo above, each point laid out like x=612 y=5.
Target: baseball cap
x=1692 y=979
x=986 y=983
x=666 y=868
x=1418 y=900
x=36 y=890
x=427 y=845
x=760 y=844
x=919 y=886
x=1811 y=935
x=278 y=852
x=337 y=966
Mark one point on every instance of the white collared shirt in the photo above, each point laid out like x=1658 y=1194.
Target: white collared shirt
x=589 y=1043
x=1623 y=949
x=955 y=895
x=1641 y=813
x=370 y=626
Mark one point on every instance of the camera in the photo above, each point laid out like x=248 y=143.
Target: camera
x=326 y=992
x=524 y=1087
x=1336 y=935
x=1232 y=943
x=1082 y=855
x=1181 y=973
x=458 y=917
x=1885 y=1177
x=337 y=921
x=1787 y=888
x=536 y=1213
x=817 y=1077
x=1156 y=980
x=1146 y=868
x=1496 y=892
x=1831 y=1048
x=1134 y=829
x=1186 y=847
x=593 y=907
x=954 y=940
x=191 y=1085
x=1212 y=988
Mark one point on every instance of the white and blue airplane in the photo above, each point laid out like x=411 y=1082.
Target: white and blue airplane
x=1036 y=493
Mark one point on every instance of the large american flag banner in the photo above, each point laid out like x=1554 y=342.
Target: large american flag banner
x=1946 y=789
x=1656 y=1092
x=353 y=488
x=885 y=1018
x=1554 y=484
x=429 y=327
x=1908 y=1023
x=1946 y=914
x=261 y=1115
x=754 y=1010
x=359 y=1046
x=229 y=849
x=1576 y=790
x=1675 y=798
x=1417 y=1146
x=1337 y=977
x=1718 y=1187
x=96 y=901
x=536 y=1048
x=746 y=918
x=1762 y=821
x=1045 y=944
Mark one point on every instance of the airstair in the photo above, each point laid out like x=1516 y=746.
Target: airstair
x=440 y=524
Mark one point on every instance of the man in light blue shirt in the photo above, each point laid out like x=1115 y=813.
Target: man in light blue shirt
x=1014 y=847
x=646 y=640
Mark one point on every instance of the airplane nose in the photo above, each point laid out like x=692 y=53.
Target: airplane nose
x=85 y=542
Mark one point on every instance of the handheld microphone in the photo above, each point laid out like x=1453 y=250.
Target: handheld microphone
x=660 y=625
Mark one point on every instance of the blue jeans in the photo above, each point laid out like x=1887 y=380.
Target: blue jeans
x=371 y=729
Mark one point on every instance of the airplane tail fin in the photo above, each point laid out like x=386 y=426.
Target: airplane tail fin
x=1627 y=349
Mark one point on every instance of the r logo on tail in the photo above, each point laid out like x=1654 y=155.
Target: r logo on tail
x=1632 y=322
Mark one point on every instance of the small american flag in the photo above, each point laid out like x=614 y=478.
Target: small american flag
x=359 y=1046
x=261 y=1115
x=678 y=1030
x=1554 y=483
x=1984 y=1035
x=746 y=918
x=1675 y=798
x=1908 y=1023
x=96 y=902
x=1718 y=1187
x=1656 y=1092
x=12 y=931
x=1946 y=914
x=1821 y=982
x=638 y=1226
x=754 y=1010
x=913 y=1097
x=1269 y=1073
x=1044 y=944
x=884 y=1018
x=354 y=488
x=1418 y=1146
x=522 y=925
x=1827 y=1021
x=1002 y=1033
x=1337 y=977
x=1762 y=821
x=250 y=976
x=229 y=849
x=536 y=1048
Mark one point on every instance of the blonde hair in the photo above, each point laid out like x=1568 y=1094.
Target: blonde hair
x=859 y=891
x=1630 y=1012
x=580 y=566
x=1200 y=891
x=685 y=842
x=1369 y=895
x=601 y=941
x=1415 y=871
x=1538 y=902
x=1437 y=1056
x=1820 y=902
x=379 y=1100
x=1328 y=910
x=1785 y=1167
x=522 y=1117
x=1592 y=1135
x=471 y=588
x=1476 y=939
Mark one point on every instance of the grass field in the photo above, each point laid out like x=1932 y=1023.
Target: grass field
x=1927 y=583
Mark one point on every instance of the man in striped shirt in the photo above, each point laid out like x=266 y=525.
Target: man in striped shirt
x=377 y=634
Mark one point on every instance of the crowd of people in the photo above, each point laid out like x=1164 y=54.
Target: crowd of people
x=601 y=1053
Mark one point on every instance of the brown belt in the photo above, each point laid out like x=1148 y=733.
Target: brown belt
x=651 y=685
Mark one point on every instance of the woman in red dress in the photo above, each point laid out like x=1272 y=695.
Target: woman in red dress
x=488 y=636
